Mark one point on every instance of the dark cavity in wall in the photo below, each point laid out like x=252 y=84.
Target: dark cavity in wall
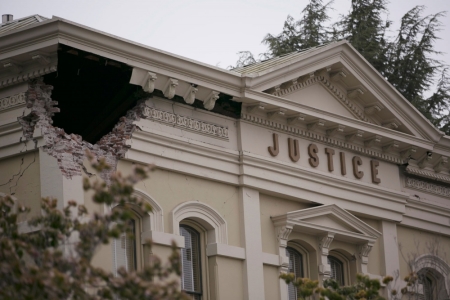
x=93 y=93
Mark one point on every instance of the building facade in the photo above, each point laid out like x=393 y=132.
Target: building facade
x=310 y=163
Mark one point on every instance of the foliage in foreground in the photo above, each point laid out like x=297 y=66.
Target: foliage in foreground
x=53 y=261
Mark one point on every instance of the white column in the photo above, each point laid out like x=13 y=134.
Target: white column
x=282 y=235
x=391 y=259
x=253 y=264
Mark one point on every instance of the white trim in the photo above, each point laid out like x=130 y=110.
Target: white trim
x=271 y=259
x=155 y=221
x=162 y=238
x=207 y=216
x=225 y=250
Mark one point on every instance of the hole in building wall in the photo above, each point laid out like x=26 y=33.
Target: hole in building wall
x=92 y=93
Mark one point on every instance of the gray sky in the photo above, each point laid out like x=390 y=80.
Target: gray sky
x=210 y=31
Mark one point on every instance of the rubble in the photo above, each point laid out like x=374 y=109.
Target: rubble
x=70 y=149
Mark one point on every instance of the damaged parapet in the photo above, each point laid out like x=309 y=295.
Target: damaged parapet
x=70 y=149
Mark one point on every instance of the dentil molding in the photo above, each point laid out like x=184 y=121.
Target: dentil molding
x=321 y=138
x=27 y=76
x=186 y=123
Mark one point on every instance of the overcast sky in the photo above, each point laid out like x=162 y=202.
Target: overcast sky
x=210 y=31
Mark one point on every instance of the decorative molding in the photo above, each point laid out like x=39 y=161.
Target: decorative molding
x=321 y=138
x=427 y=187
x=441 y=164
x=283 y=233
x=27 y=76
x=12 y=101
x=156 y=221
x=211 y=100
x=189 y=96
x=215 y=249
x=336 y=129
x=427 y=174
x=364 y=251
x=276 y=112
x=356 y=134
x=260 y=106
x=186 y=123
x=325 y=242
x=391 y=146
x=372 y=141
x=149 y=82
x=207 y=216
x=170 y=88
x=313 y=125
x=329 y=86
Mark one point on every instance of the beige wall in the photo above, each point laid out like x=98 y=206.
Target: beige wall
x=272 y=206
x=271 y=285
x=19 y=176
x=414 y=242
x=169 y=189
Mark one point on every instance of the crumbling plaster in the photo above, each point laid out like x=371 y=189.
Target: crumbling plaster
x=70 y=149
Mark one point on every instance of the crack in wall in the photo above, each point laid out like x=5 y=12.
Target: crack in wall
x=18 y=175
x=70 y=149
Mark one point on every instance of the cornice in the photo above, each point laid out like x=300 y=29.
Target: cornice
x=427 y=187
x=303 y=133
x=12 y=101
x=427 y=174
x=27 y=75
x=186 y=123
x=331 y=88
x=292 y=108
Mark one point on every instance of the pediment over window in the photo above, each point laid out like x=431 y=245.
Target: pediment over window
x=328 y=220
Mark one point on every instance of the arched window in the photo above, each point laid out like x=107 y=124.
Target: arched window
x=337 y=269
x=190 y=259
x=295 y=267
x=125 y=250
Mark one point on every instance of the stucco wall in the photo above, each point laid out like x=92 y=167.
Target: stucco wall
x=169 y=189
x=414 y=242
x=19 y=176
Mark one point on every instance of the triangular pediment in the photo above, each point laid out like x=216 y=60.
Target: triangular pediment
x=336 y=79
x=325 y=219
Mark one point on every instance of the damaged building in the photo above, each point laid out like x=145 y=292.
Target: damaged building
x=310 y=163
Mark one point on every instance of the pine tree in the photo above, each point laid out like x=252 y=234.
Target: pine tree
x=365 y=28
x=310 y=31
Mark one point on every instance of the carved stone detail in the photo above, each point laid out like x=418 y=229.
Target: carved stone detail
x=336 y=129
x=428 y=174
x=391 y=146
x=364 y=251
x=11 y=101
x=372 y=109
x=325 y=242
x=170 y=87
x=260 y=106
x=149 y=85
x=313 y=125
x=283 y=233
x=427 y=187
x=277 y=112
x=186 y=123
x=441 y=165
x=371 y=142
x=407 y=153
x=189 y=96
x=211 y=100
x=424 y=160
x=295 y=119
x=352 y=136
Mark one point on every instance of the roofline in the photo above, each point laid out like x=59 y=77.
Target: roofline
x=58 y=30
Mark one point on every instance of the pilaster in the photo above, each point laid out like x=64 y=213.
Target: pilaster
x=253 y=263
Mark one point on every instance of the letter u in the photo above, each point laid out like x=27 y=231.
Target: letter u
x=294 y=151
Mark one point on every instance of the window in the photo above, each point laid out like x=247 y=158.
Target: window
x=296 y=267
x=125 y=250
x=337 y=269
x=190 y=259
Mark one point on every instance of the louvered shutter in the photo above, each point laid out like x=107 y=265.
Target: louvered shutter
x=124 y=251
x=296 y=267
x=190 y=254
x=337 y=269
